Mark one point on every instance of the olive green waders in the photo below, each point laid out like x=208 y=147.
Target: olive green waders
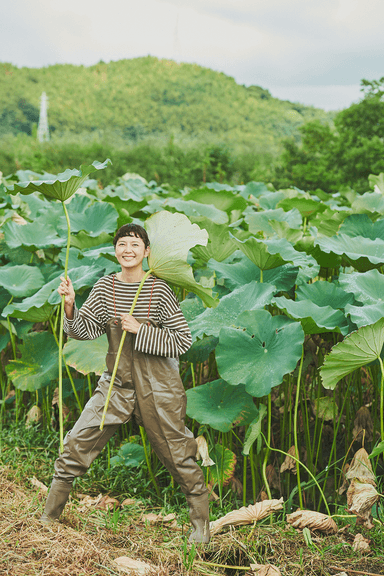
x=148 y=387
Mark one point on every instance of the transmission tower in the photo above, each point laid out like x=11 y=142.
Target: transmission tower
x=43 y=129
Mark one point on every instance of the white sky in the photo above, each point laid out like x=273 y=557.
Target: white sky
x=310 y=51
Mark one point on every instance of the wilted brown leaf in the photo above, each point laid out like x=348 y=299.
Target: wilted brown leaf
x=236 y=485
x=88 y=502
x=361 y=467
x=131 y=502
x=107 y=503
x=361 y=496
x=312 y=520
x=34 y=415
x=272 y=477
x=363 y=421
x=37 y=484
x=361 y=544
x=247 y=515
x=265 y=570
x=344 y=485
x=289 y=463
x=202 y=452
x=131 y=566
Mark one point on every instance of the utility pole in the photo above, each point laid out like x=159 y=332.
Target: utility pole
x=43 y=128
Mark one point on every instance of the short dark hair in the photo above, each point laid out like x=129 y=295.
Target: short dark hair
x=132 y=230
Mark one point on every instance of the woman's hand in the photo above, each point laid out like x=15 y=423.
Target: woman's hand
x=66 y=289
x=129 y=323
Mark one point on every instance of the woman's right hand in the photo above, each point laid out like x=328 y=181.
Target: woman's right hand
x=66 y=289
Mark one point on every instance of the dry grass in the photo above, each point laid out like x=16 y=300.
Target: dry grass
x=85 y=544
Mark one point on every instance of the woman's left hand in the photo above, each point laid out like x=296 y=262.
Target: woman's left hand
x=129 y=323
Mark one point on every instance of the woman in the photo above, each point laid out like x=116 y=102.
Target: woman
x=147 y=383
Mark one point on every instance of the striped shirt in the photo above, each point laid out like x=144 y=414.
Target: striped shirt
x=170 y=339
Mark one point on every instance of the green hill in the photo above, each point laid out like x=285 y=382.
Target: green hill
x=146 y=98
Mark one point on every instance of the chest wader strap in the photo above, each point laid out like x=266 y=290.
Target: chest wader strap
x=114 y=301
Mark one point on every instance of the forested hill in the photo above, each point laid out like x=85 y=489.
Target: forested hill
x=148 y=96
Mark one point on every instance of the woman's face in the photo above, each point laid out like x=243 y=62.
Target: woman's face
x=130 y=252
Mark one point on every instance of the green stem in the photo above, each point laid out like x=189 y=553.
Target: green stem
x=148 y=462
x=261 y=276
x=120 y=350
x=381 y=399
x=244 y=480
x=295 y=430
x=264 y=469
x=61 y=334
x=89 y=384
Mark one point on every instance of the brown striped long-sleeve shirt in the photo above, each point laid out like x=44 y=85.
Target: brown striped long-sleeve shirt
x=171 y=338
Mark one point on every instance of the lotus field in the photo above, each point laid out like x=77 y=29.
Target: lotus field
x=284 y=294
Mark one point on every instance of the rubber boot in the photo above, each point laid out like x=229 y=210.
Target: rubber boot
x=57 y=498
x=199 y=516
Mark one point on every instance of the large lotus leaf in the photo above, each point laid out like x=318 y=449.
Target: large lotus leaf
x=38 y=364
x=87 y=356
x=306 y=206
x=192 y=307
x=314 y=319
x=377 y=182
x=254 y=189
x=98 y=218
x=283 y=230
x=224 y=200
x=356 y=350
x=367 y=314
x=21 y=281
x=47 y=296
x=129 y=455
x=195 y=209
x=369 y=203
x=270 y=200
x=325 y=294
x=220 y=244
x=83 y=241
x=362 y=225
x=367 y=288
x=172 y=236
x=260 y=351
x=33 y=314
x=363 y=253
x=242 y=272
x=200 y=350
x=106 y=251
x=261 y=254
x=328 y=222
x=259 y=221
x=36 y=205
x=225 y=461
x=124 y=205
x=220 y=405
x=324 y=260
x=62 y=186
x=248 y=297
x=32 y=236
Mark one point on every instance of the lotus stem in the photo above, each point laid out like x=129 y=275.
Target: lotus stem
x=120 y=350
x=295 y=430
x=61 y=333
x=142 y=433
x=381 y=399
x=264 y=469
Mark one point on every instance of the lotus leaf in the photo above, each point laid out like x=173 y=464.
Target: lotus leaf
x=172 y=236
x=283 y=230
x=370 y=202
x=87 y=356
x=377 y=182
x=220 y=405
x=38 y=364
x=306 y=206
x=192 y=307
x=254 y=189
x=225 y=461
x=254 y=430
x=307 y=245
x=223 y=200
x=367 y=314
x=263 y=255
x=248 y=297
x=4 y=340
x=356 y=350
x=367 y=287
x=260 y=351
x=83 y=241
x=362 y=225
x=325 y=294
x=96 y=219
x=325 y=408
x=328 y=222
x=31 y=236
x=21 y=281
x=220 y=244
x=314 y=319
x=259 y=221
x=62 y=186
x=200 y=350
x=270 y=200
x=242 y=272
x=363 y=253
x=129 y=455
x=195 y=209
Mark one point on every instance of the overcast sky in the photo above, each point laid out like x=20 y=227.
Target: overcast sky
x=310 y=51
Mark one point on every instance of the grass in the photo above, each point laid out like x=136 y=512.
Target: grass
x=85 y=542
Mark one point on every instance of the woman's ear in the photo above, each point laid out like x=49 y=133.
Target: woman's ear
x=147 y=251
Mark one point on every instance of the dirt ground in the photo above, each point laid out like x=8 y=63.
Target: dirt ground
x=86 y=543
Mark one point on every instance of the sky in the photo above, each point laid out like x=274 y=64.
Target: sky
x=311 y=51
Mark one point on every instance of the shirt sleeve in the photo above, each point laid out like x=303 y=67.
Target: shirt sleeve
x=89 y=322
x=172 y=338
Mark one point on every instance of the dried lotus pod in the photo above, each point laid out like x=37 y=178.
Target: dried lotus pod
x=361 y=467
x=289 y=463
x=361 y=496
x=312 y=520
x=265 y=570
x=247 y=515
x=363 y=421
x=203 y=452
